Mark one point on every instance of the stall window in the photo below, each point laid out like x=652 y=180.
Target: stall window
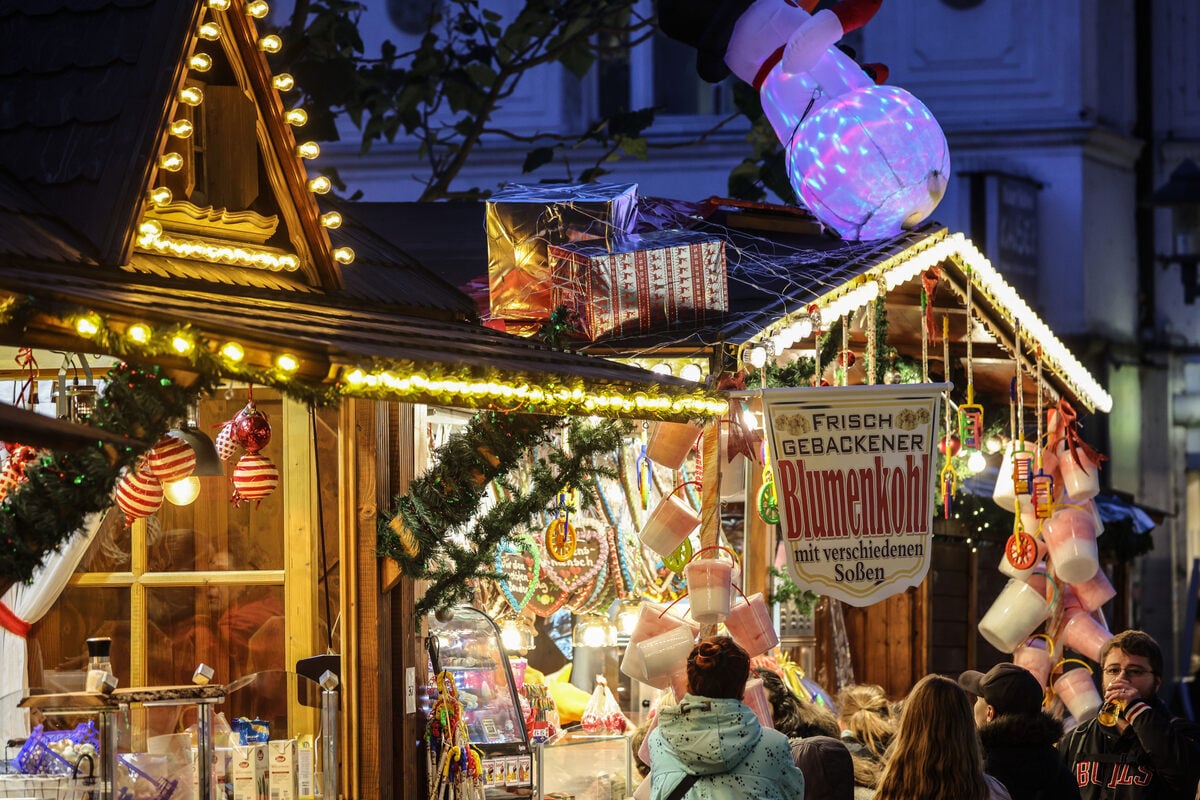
x=242 y=588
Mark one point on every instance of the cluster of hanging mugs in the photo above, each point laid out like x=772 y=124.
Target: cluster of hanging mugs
x=662 y=639
x=1066 y=572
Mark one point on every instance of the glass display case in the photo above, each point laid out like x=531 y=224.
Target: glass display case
x=584 y=767
x=466 y=644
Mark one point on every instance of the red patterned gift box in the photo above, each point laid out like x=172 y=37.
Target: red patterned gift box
x=522 y=221
x=641 y=281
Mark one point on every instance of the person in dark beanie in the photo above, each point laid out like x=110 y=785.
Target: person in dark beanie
x=1018 y=738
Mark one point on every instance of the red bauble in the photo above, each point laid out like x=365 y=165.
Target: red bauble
x=251 y=429
x=139 y=494
x=950 y=446
x=254 y=478
x=172 y=459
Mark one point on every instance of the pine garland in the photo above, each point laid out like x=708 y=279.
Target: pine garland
x=417 y=533
x=62 y=488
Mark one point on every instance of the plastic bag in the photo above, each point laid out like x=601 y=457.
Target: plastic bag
x=603 y=716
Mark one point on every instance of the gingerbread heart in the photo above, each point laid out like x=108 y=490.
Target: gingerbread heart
x=519 y=564
x=591 y=553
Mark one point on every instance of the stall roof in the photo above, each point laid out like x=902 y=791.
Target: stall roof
x=779 y=266
x=148 y=176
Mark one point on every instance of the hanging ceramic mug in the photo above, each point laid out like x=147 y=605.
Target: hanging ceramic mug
x=1083 y=634
x=1014 y=615
x=1080 y=475
x=670 y=443
x=750 y=625
x=665 y=655
x=1077 y=690
x=671 y=521
x=653 y=619
x=1070 y=537
x=1036 y=657
x=1094 y=592
x=710 y=586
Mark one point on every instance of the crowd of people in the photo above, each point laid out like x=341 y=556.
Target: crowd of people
x=982 y=736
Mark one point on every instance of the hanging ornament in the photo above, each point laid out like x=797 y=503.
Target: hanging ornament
x=679 y=557
x=13 y=474
x=254 y=478
x=970 y=414
x=251 y=429
x=561 y=539
x=171 y=459
x=139 y=495
x=1021 y=550
x=226 y=446
x=644 y=467
x=768 y=500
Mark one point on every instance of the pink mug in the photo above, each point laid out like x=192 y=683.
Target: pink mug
x=1078 y=693
x=671 y=521
x=755 y=696
x=1015 y=614
x=1035 y=656
x=1083 y=634
x=750 y=625
x=670 y=443
x=1070 y=536
x=710 y=587
x=1095 y=592
x=1080 y=479
x=653 y=619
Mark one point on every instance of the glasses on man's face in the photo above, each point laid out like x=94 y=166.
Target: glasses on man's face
x=1132 y=673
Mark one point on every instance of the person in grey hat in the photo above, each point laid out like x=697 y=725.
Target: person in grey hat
x=1018 y=737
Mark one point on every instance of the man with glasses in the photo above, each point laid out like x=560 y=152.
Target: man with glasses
x=1147 y=754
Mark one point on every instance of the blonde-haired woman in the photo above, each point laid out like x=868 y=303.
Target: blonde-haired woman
x=935 y=754
x=868 y=725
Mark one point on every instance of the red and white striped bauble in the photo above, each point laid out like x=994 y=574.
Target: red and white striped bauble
x=172 y=459
x=139 y=494
x=254 y=478
x=226 y=446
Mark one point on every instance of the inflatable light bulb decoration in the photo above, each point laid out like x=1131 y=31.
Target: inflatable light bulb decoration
x=868 y=161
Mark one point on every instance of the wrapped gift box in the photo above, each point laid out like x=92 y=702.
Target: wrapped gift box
x=523 y=221
x=641 y=281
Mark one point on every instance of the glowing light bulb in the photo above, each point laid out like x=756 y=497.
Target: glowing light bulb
x=331 y=220
x=171 y=162
x=160 y=196
x=343 y=255
x=661 y=368
x=191 y=95
x=218 y=5
x=283 y=82
x=977 y=462
x=181 y=128
x=270 y=44
x=182 y=492
x=320 y=185
x=139 y=333
x=150 y=229
x=308 y=150
x=233 y=351
x=258 y=9
x=87 y=325
x=757 y=357
x=182 y=344
x=296 y=117
x=691 y=372
x=210 y=31
x=201 y=62
x=287 y=362
x=804 y=328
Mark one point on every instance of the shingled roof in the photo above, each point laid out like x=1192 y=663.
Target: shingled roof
x=89 y=92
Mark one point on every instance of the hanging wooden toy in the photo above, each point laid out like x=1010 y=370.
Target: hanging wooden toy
x=1022 y=459
x=970 y=414
x=1042 y=484
x=948 y=478
x=644 y=467
x=561 y=536
x=768 y=501
x=1021 y=550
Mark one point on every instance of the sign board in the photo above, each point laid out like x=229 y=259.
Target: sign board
x=855 y=470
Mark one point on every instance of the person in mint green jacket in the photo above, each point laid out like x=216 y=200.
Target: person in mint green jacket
x=711 y=746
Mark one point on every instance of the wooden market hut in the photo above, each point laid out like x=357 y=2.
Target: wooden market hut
x=780 y=265
x=155 y=206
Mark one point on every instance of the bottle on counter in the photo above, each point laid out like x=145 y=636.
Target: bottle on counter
x=100 y=676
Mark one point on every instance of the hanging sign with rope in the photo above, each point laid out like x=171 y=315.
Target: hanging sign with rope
x=855 y=469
